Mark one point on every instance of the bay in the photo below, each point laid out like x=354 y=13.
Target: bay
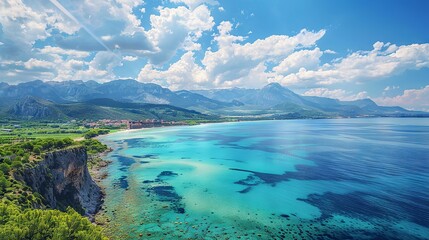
x=330 y=179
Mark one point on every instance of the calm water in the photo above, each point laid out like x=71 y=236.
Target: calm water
x=303 y=179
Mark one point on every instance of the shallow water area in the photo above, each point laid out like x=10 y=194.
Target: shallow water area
x=303 y=179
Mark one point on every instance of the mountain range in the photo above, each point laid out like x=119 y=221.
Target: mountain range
x=135 y=100
x=31 y=107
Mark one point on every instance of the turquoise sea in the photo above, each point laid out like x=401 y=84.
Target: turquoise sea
x=294 y=179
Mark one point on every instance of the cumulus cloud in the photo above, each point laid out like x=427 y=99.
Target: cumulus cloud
x=384 y=60
x=130 y=58
x=195 y=3
x=100 y=68
x=413 y=99
x=340 y=94
x=21 y=26
x=233 y=61
x=38 y=64
x=96 y=26
x=64 y=32
x=236 y=63
x=178 y=28
x=184 y=73
x=57 y=51
x=77 y=30
x=308 y=59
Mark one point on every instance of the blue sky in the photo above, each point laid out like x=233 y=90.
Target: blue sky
x=340 y=49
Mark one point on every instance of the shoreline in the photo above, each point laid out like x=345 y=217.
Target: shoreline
x=108 y=221
x=249 y=120
x=99 y=171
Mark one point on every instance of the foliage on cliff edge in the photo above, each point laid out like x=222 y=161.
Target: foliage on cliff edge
x=45 y=224
x=18 y=218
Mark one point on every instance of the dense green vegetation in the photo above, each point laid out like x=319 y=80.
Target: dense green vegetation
x=18 y=218
x=95 y=132
x=13 y=131
x=93 y=146
x=35 y=147
x=36 y=224
x=23 y=154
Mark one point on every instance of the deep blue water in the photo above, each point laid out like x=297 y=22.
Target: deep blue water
x=303 y=179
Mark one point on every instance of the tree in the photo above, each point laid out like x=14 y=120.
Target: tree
x=4 y=183
x=16 y=164
x=37 y=149
x=45 y=224
x=4 y=168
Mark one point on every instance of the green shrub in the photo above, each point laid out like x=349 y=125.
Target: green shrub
x=4 y=168
x=93 y=146
x=45 y=224
x=95 y=132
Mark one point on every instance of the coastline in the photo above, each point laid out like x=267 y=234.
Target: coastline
x=119 y=219
x=98 y=172
x=122 y=131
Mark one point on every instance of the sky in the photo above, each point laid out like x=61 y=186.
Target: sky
x=334 y=48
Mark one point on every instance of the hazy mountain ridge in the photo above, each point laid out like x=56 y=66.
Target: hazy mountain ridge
x=33 y=108
x=276 y=97
x=119 y=90
x=127 y=98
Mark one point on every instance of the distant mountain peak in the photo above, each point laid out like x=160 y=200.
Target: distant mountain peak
x=274 y=85
x=365 y=102
x=34 y=82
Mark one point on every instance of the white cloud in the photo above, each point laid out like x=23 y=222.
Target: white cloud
x=37 y=63
x=49 y=50
x=388 y=88
x=21 y=26
x=329 y=51
x=384 y=60
x=308 y=59
x=130 y=58
x=221 y=9
x=185 y=73
x=235 y=63
x=99 y=68
x=86 y=31
x=234 y=60
x=116 y=27
x=178 y=28
x=195 y=3
x=340 y=94
x=413 y=99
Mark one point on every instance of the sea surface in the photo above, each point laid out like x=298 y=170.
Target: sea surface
x=294 y=179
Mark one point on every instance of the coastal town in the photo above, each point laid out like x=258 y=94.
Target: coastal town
x=129 y=124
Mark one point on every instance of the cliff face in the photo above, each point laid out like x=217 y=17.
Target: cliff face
x=62 y=178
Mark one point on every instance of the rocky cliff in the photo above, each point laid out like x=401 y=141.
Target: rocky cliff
x=62 y=178
x=34 y=108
